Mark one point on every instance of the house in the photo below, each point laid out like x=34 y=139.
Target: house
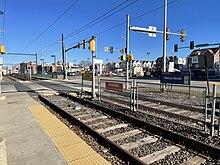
x=196 y=58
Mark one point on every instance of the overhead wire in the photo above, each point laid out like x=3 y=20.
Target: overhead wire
x=153 y=10
x=137 y=17
x=146 y=13
x=50 y=25
x=92 y=23
x=95 y=21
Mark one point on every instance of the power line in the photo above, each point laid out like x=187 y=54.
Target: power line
x=3 y=25
x=155 y=9
x=50 y=25
x=92 y=23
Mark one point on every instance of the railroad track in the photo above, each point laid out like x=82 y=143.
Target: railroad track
x=170 y=111
x=133 y=140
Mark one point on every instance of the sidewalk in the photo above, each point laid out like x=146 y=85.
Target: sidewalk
x=26 y=142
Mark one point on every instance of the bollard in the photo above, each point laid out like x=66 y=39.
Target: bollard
x=212 y=130
x=206 y=102
x=3 y=156
x=99 y=89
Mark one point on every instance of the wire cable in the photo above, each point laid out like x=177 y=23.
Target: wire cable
x=92 y=23
x=151 y=11
x=50 y=25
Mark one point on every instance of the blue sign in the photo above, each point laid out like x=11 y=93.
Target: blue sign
x=176 y=77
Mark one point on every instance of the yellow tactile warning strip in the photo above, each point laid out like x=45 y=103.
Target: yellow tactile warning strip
x=73 y=149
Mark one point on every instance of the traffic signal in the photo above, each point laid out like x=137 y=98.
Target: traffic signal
x=130 y=57
x=191 y=45
x=84 y=44
x=175 y=48
x=78 y=46
x=111 y=49
x=122 y=57
x=167 y=34
x=92 y=44
x=2 y=49
x=183 y=33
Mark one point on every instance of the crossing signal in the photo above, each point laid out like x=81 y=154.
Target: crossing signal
x=183 y=33
x=175 y=48
x=191 y=45
x=111 y=49
x=167 y=34
x=84 y=44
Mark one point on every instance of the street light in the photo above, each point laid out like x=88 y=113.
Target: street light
x=42 y=65
x=55 y=65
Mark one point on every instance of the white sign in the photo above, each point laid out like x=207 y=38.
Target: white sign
x=153 y=29
x=106 y=49
x=1 y=60
x=171 y=67
x=195 y=60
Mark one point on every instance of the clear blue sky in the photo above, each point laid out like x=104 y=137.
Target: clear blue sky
x=26 y=19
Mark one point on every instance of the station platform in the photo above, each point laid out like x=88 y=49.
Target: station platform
x=35 y=136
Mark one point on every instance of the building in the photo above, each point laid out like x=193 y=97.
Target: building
x=196 y=58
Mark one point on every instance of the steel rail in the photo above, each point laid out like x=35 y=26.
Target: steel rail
x=193 y=144
x=114 y=148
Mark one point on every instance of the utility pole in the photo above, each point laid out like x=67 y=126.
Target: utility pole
x=164 y=36
x=164 y=41
x=63 y=57
x=127 y=49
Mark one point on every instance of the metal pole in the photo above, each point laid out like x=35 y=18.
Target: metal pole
x=164 y=40
x=137 y=96
x=212 y=130
x=206 y=114
x=65 y=54
x=127 y=50
x=99 y=89
x=36 y=64
x=131 y=96
x=93 y=75
x=134 y=95
x=63 y=57
x=207 y=73
x=219 y=118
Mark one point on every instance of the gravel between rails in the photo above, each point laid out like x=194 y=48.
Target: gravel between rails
x=104 y=152
x=178 y=157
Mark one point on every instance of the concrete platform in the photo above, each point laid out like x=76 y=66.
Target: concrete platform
x=26 y=142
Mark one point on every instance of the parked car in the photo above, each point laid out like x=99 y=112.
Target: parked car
x=71 y=74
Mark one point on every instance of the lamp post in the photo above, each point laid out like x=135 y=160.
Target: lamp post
x=55 y=65
x=42 y=65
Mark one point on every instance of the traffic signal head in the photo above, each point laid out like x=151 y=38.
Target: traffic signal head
x=191 y=45
x=122 y=57
x=92 y=44
x=167 y=34
x=183 y=33
x=78 y=46
x=175 y=48
x=2 y=49
x=84 y=44
x=111 y=49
